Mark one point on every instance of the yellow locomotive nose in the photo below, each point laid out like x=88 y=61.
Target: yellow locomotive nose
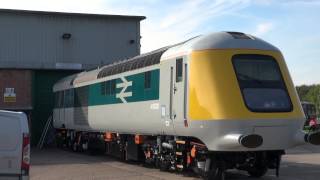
x=216 y=93
x=245 y=98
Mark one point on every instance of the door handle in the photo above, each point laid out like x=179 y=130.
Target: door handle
x=175 y=89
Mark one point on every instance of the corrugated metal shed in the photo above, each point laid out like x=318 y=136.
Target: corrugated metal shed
x=54 y=40
x=48 y=46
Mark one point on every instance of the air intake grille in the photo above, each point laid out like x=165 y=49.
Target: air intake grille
x=133 y=63
x=239 y=35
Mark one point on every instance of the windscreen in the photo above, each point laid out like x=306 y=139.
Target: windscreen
x=10 y=133
x=261 y=83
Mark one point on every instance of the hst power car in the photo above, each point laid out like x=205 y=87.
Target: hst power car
x=215 y=102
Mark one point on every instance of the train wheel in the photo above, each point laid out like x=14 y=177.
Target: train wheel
x=69 y=143
x=59 y=142
x=74 y=147
x=164 y=165
x=216 y=173
x=258 y=172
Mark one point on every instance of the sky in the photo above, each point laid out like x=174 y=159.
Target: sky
x=291 y=25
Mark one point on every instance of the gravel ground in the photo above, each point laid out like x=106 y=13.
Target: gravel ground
x=301 y=163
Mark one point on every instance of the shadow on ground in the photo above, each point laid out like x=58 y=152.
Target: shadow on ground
x=54 y=156
x=302 y=163
x=288 y=171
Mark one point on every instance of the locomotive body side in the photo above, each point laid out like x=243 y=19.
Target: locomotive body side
x=98 y=111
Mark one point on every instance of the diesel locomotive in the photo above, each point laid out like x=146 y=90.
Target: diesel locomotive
x=212 y=103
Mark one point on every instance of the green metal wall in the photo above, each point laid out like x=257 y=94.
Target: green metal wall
x=43 y=99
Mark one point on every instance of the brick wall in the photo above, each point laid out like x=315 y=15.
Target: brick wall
x=21 y=81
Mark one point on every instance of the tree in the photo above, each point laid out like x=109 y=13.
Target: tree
x=311 y=94
x=303 y=91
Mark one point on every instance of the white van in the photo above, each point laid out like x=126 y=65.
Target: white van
x=14 y=146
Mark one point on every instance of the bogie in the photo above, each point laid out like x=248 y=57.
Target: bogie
x=170 y=153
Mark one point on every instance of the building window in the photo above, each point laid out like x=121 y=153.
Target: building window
x=147 y=80
x=179 y=70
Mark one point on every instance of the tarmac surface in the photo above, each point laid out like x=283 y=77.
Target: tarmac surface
x=302 y=163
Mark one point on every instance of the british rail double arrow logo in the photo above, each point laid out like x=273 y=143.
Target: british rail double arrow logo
x=123 y=94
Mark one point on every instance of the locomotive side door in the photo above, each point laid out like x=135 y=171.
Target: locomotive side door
x=179 y=92
x=173 y=95
x=167 y=69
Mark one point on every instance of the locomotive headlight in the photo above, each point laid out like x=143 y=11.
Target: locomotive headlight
x=248 y=141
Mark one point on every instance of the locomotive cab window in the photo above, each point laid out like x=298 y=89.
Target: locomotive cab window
x=61 y=99
x=179 y=70
x=69 y=98
x=108 y=87
x=56 y=98
x=147 y=80
x=112 y=87
x=261 y=83
x=81 y=96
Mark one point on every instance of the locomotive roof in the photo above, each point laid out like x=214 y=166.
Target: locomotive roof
x=219 y=40
x=234 y=40
x=136 y=62
x=65 y=83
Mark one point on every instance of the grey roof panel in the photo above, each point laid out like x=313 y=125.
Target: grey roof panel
x=21 y=11
x=227 y=40
x=64 y=83
x=136 y=62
